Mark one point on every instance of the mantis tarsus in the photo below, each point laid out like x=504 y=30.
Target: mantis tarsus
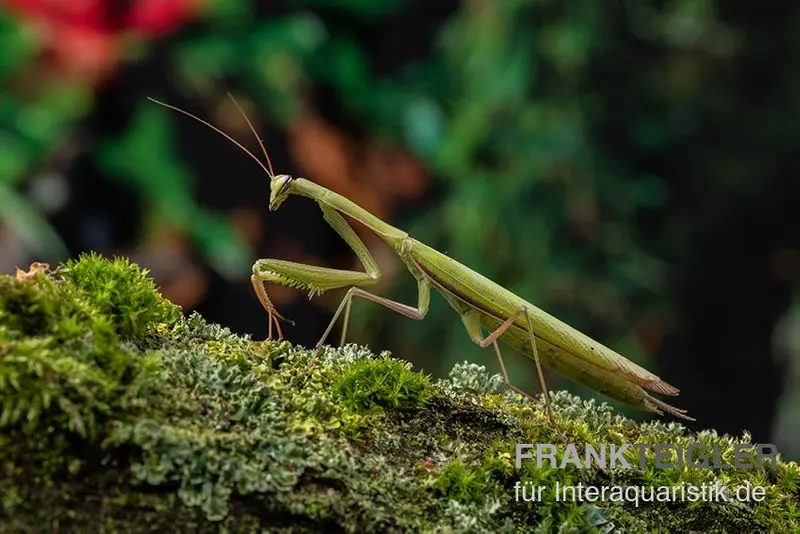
x=481 y=303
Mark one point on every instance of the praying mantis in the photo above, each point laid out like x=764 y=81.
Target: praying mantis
x=482 y=304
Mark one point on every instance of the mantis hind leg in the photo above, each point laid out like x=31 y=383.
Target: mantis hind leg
x=505 y=375
x=471 y=319
x=545 y=393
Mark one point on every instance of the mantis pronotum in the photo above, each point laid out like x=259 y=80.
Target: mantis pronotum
x=481 y=303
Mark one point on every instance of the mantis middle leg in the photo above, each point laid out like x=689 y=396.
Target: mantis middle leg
x=418 y=313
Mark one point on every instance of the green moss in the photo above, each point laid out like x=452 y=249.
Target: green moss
x=384 y=383
x=66 y=362
x=121 y=292
x=119 y=414
x=464 y=483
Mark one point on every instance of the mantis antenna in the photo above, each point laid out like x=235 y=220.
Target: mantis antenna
x=267 y=168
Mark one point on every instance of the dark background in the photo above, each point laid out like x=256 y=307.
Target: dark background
x=628 y=167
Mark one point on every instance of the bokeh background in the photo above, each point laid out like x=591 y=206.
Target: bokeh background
x=629 y=166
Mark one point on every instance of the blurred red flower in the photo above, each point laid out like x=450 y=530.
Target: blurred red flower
x=159 y=17
x=85 y=37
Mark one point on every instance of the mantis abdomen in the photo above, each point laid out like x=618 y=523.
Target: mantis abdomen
x=560 y=347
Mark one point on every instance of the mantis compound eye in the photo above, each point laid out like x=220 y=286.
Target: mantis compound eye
x=279 y=190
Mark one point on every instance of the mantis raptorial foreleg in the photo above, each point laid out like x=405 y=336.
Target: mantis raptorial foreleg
x=315 y=279
x=263 y=298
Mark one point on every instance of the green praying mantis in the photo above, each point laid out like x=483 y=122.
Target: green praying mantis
x=482 y=304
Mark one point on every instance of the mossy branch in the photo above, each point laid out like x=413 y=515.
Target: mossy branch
x=120 y=414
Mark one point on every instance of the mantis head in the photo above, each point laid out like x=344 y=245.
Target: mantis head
x=280 y=187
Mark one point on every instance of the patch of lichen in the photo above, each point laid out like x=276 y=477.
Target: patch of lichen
x=586 y=422
x=119 y=414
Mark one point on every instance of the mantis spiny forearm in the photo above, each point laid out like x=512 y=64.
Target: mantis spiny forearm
x=482 y=304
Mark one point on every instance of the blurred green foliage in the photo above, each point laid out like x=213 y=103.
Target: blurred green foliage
x=28 y=132
x=37 y=124
x=542 y=120
x=167 y=184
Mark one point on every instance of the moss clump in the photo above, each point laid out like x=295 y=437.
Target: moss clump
x=464 y=483
x=383 y=383
x=68 y=361
x=119 y=414
x=121 y=292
